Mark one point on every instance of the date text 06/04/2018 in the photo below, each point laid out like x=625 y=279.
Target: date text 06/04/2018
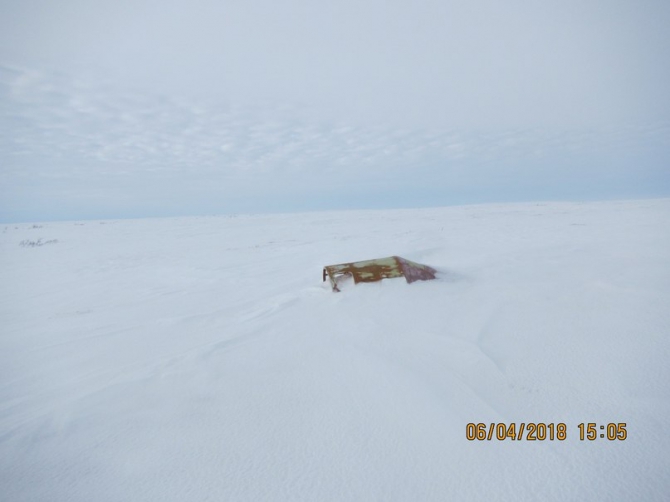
x=541 y=431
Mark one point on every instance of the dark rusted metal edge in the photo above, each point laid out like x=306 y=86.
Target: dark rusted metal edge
x=378 y=269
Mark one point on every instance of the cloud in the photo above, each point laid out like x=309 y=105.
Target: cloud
x=431 y=63
x=132 y=108
x=73 y=147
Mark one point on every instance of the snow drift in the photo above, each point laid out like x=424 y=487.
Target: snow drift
x=204 y=359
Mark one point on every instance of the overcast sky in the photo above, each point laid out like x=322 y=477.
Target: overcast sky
x=147 y=107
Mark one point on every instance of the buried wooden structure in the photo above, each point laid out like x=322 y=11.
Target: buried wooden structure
x=376 y=270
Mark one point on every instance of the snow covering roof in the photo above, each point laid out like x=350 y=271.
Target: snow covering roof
x=378 y=269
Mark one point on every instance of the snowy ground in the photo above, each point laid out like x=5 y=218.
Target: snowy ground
x=204 y=359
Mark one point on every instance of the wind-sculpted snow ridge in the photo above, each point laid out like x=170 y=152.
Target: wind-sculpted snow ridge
x=205 y=359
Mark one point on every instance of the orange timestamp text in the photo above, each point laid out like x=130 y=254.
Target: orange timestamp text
x=541 y=431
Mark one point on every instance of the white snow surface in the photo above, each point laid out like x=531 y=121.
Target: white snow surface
x=204 y=358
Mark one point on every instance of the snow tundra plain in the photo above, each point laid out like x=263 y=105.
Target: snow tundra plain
x=204 y=359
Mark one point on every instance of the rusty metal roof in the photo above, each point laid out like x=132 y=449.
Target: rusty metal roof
x=376 y=270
